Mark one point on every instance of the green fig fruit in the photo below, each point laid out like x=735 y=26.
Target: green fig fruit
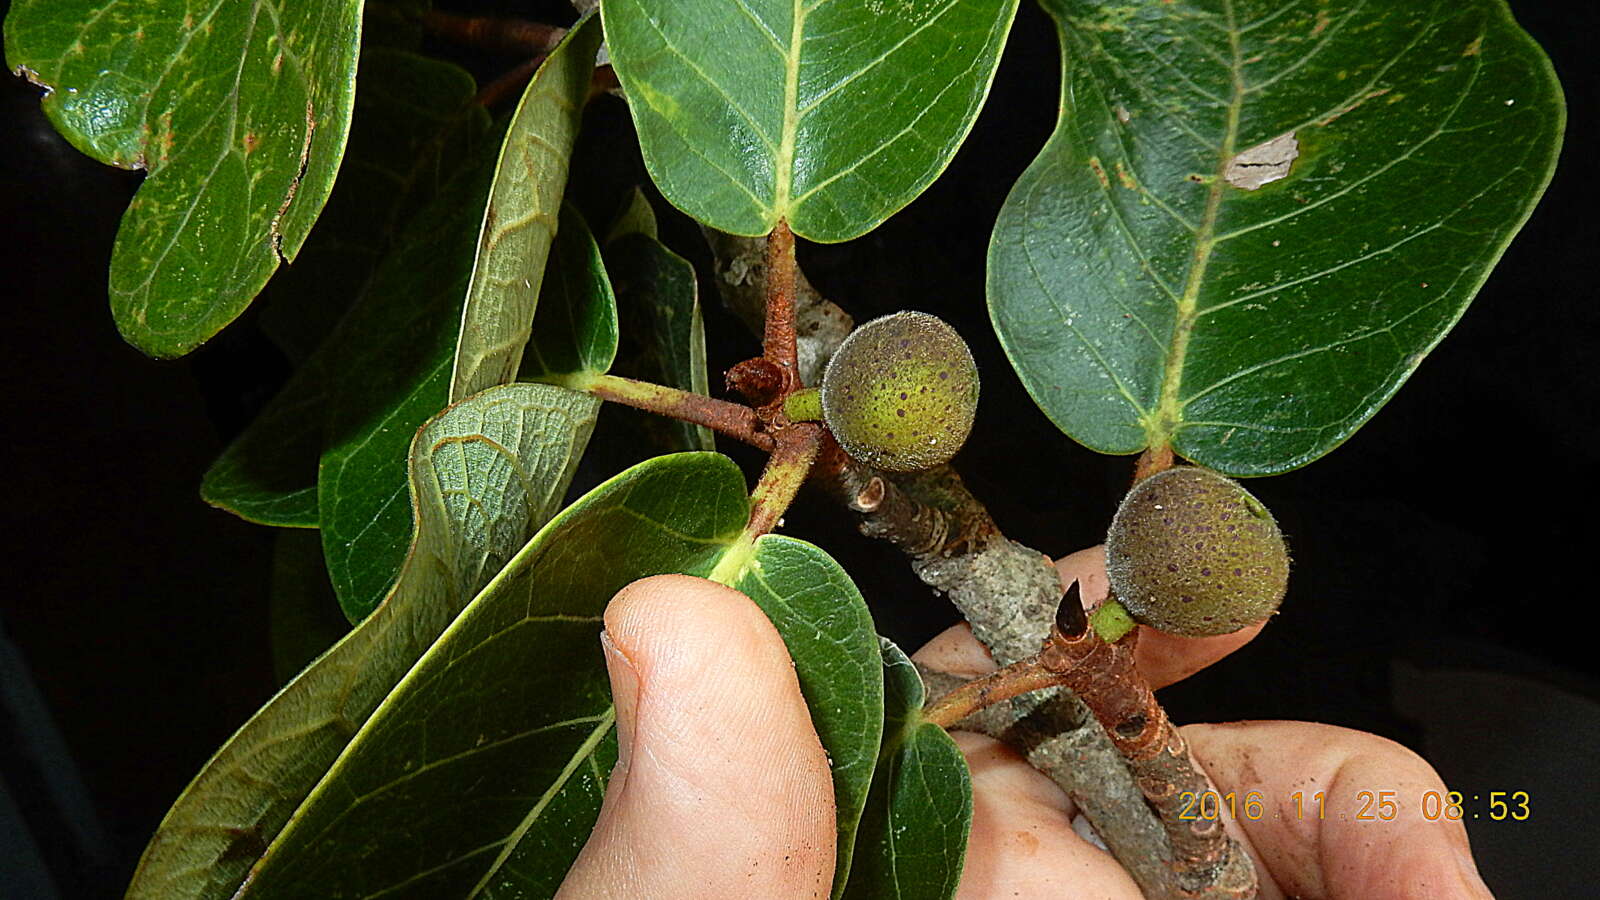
x=1191 y=552
x=900 y=393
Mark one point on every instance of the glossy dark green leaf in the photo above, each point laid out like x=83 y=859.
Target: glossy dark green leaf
x=520 y=219
x=238 y=111
x=829 y=632
x=659 y=302
x=914 y=833
x=485 y=473
x=575 y=327
x=415 y=125
x=1174 y=268
x=832 y=115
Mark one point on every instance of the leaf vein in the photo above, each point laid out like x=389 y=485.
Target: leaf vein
x=806 y=108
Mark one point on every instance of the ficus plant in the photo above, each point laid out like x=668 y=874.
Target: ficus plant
x=1251 y=224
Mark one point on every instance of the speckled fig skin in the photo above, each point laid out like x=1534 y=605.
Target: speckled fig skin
x=900 y=393
x=1191 y=552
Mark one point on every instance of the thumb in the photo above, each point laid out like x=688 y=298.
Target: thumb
x=721 y=787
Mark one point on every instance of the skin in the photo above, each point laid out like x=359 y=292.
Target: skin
x=722 y=787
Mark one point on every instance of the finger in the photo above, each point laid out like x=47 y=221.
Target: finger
x=1162 y=658
x=1350 y=850
x=721 y=787
x=1022 y=843
x=956 y=652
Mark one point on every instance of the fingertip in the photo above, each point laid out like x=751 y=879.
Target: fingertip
x=647 y=611
x=1088 y=568
x=1165 y=659
x=725 y=785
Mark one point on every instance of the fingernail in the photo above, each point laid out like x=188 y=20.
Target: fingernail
x=625 y=697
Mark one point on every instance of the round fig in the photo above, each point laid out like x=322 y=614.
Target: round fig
x=1191 y=552
x=900 y=393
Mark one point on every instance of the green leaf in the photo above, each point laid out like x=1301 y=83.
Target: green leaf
x=914 y=833
x=830 y=115
x=659 y=298
x=635 y=217
x=1172 y=269
x=485 y=474
x=519 y=221
x=398 y=373
x=269 y=473
x=496 y=748
x=239 y=113
x=829 y=632
x=575 y=328
x=387 y=372
x=417 y=123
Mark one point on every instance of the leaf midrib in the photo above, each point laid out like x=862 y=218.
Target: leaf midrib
x=1162 y=423
x=791 y=111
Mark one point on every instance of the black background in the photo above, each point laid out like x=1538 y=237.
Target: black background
x=1445 y=554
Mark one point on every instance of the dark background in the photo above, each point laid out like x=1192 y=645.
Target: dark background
x=1444 y=555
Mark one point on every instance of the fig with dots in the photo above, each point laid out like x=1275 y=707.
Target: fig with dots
x=901 y=392
x=1191 y=552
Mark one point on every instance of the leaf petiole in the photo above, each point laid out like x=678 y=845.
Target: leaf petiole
x=732 y=419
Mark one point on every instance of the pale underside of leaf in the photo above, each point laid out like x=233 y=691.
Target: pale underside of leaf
x=496 y=747
x=1151 y=293
x=520 y=219
x=485 y=473
x=239 y=111
x=831 y=115
x=386 y=372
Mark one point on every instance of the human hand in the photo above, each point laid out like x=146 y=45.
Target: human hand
x=1022 y=846
x=722 y=787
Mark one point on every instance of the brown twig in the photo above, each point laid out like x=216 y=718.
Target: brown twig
x=493 y=33
x=509 y=84
x=1014 y=680
x=1205 y=859
x=741 y=278
x=1008 y=593
x=1022 y=677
